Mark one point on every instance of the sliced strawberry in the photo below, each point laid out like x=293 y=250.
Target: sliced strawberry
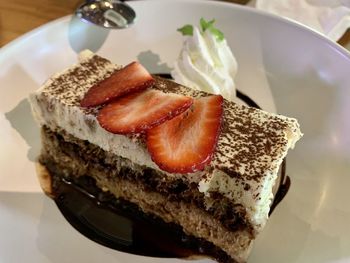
x=186 y=143
x=133 y=77
x=140 y=111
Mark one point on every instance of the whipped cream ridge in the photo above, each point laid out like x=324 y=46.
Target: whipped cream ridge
x=206 y=63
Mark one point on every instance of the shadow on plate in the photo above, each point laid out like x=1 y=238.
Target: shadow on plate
x=20 y=115
x=152 y=62
x=22 y=121
x=82 y=35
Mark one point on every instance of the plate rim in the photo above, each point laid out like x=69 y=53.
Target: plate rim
x=286 y=21
x=23 y=39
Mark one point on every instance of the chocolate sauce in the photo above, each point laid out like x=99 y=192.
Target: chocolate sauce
x=120 y=225
x=283 y=187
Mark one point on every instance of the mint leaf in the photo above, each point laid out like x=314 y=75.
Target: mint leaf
x=206 y=24
x=186 y=30
x=216 y=32
x=209 y=25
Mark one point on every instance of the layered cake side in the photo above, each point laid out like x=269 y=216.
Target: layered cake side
x=227 y=203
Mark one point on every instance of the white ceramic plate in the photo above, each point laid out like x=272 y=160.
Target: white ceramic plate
x=280 y=64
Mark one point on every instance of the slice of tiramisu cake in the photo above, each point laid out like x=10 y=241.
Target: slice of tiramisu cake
x=185 y=157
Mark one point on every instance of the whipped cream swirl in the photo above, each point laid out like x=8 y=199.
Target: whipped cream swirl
x=206 y=63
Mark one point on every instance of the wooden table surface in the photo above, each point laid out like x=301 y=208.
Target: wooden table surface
x=20 y=16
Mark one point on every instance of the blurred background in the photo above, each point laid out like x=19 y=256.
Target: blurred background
x=20 y=16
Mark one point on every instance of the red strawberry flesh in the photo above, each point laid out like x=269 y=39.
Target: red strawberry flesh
x=133 y=77
x=186 y=143
x=140 y=111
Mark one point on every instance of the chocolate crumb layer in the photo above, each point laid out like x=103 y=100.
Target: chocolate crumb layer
x=64 y=148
